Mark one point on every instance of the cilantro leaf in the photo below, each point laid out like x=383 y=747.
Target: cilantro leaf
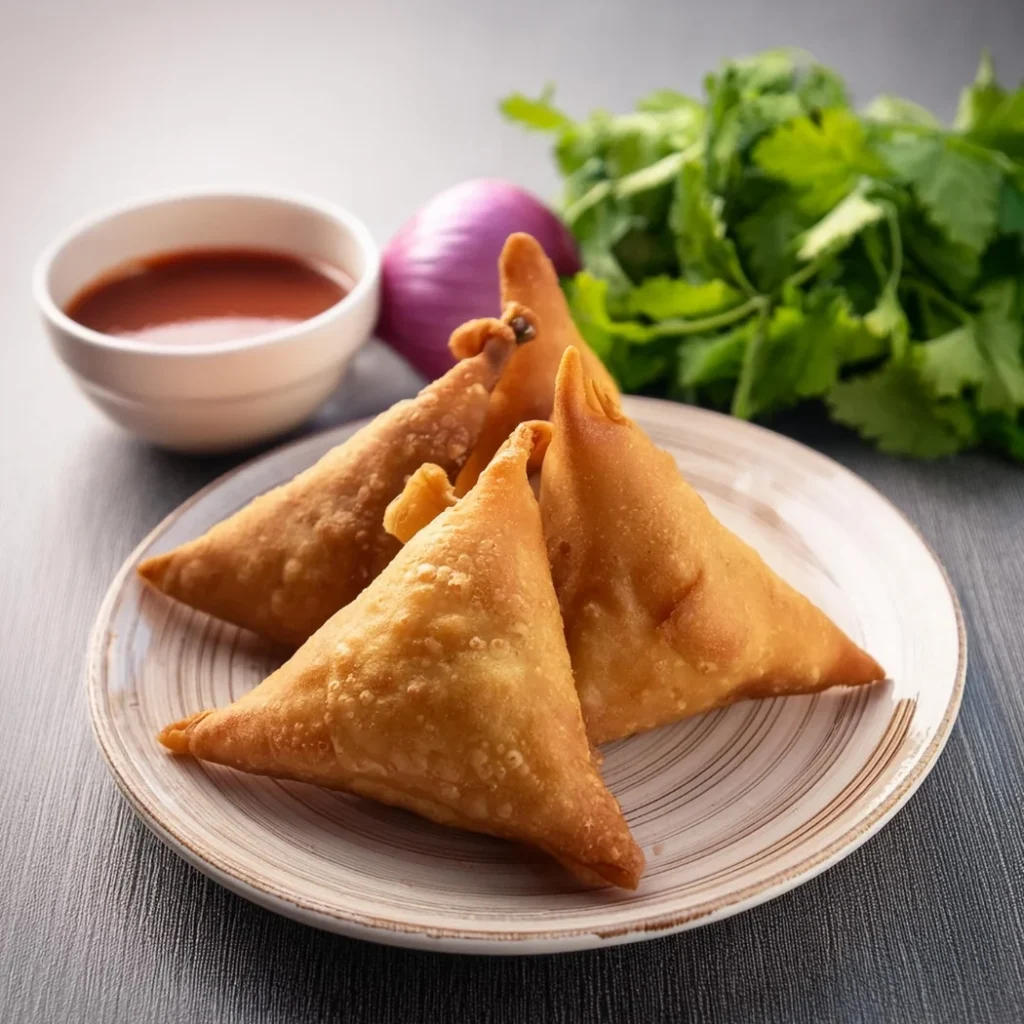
x=633 y=366
x=721 y=135
x=665 y=298
x=889 y=320
x=951 y=363
x=958 y=190
x=908 y=155
x=636 y=368
x=1011 y=208
x=769 y=244
x=955 y=265
x=822 y=160
x=642 y=253
x=705 y=251
x=819 y=87
x=587 y=297
x=959 y=193
x=1004 y=130
x=893 y=408
x=539 y=115
x=737 y=113
x=579 y=150
x=838 y=226
x=999 y=335
x=853 y=338
x=988 y=114
x=894 y=110
x=768 y=238
x=984 y=353
x=1000 y=261
x=796 y=356
x=769 y=71
x=599 y=230
x=705 y=360
x=751 y=96
x=635 y=141
x=661 y=100
x=1003 y=433
x=981 y=98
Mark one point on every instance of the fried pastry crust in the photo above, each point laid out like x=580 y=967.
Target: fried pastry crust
x=526 y=390
x=444 y=688
x=291 y=558
x=667 y=613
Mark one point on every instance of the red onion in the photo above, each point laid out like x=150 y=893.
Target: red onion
x=441 y=269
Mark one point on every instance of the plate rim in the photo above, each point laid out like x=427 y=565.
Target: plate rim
x=466 y=939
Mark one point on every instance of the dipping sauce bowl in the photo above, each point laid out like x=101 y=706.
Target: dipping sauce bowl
x=220 y=395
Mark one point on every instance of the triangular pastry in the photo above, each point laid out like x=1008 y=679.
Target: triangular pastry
x=291 y=558
x=526 y=390
x=667 y=613
x=444 y=688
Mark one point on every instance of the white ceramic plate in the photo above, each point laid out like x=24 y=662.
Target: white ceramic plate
x=731 y=808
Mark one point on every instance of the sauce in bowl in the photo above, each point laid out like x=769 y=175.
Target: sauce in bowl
x=208 y=296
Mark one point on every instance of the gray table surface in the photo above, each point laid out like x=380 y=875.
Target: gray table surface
x=377 y=106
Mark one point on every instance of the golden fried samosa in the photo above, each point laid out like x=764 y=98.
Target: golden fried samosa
x=526 y=389
x=667 y=613
x=290 y=559
x=444 y=688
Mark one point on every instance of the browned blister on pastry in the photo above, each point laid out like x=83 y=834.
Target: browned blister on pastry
x=526 y=390
x=444 y=688
x=289 y=560
x=667 y=613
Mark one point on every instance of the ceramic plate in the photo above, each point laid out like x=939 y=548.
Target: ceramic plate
x=731 y=808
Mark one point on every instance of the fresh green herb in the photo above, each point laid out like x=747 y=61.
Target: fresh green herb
x=771 y=245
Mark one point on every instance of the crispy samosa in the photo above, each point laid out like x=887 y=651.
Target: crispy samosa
x=526 y=389
x=444 y=688
x=290 y=559
x=667 y=613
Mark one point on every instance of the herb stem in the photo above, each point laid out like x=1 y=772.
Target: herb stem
x=744 y=282
x=934 y=295
x=677 y=328
x=594 y=195
x=896 y=240
x=872 y=246
x=805 y=273
x=741 y=396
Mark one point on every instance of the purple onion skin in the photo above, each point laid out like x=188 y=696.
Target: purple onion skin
x=441 y=269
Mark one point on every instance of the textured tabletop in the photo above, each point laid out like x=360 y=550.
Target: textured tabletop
x=377 y=106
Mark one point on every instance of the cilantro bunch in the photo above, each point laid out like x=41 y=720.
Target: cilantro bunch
x=772 y=245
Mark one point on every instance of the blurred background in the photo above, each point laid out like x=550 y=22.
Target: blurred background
x=377 y=106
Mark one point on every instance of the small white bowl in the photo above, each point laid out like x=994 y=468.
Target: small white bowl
x=205 y=398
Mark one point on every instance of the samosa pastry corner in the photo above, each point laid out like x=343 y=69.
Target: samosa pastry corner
x=526 y=390
x=444 y=688
x=289 y=560
x=667 y=613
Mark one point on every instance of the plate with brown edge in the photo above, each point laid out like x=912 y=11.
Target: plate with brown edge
x=732 y=808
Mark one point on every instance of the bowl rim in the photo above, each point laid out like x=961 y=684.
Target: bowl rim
x=365 y=285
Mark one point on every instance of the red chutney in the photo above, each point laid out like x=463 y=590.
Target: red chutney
x=208 y=296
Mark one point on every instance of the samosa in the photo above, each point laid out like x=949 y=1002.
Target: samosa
x=526 y=389
x=444 y=688
x=667 y=613
x=291 y=558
